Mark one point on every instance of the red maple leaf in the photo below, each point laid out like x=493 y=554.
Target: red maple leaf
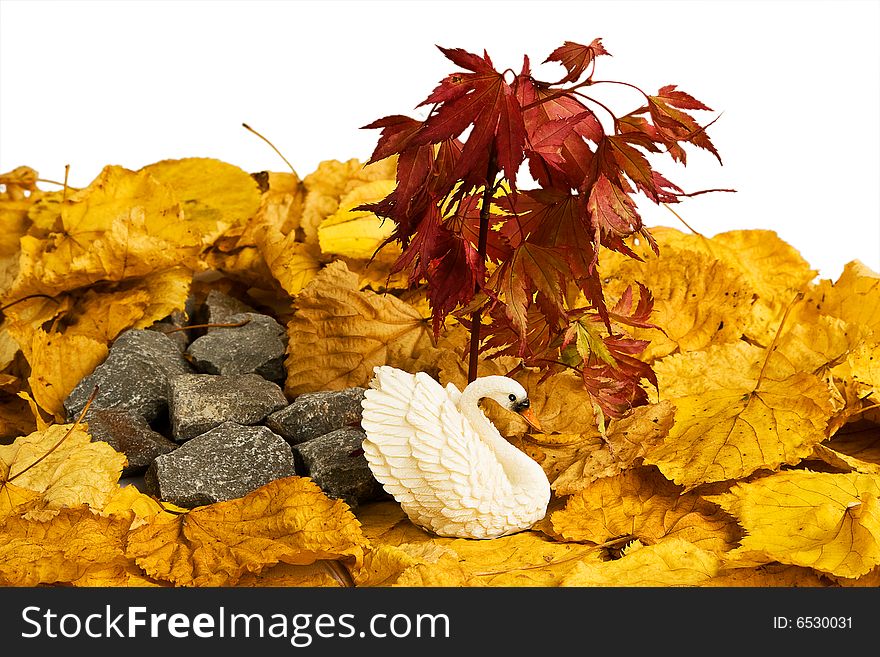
x=576 y=58
x=544 y=243
x=484 y=101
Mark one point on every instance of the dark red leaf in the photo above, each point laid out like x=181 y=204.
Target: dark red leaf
x=576 y=58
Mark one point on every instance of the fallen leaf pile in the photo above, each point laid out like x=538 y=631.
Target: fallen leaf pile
x=756 y=462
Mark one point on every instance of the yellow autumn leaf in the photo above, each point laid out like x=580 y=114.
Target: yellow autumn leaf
x=733 y=418
x=843 y=461
x=324 y=187
x=129 y=499
x=15 y=222
x=288 y=520
x=829 y=522
x=641 y=504
x=412 y=565
x=522 y=559
x=292 y=263
x=698 y=300
x=15 y=500
x=673 y=562
x=213 y=196
x=771 y=574
x=281 y=205
x=58 y=363
x=128 y=224
x=356 y=233
x=854 y=297
x=560 y=401
x=338 y=333
x=135 y=303
x=864 y=363
x=75 y=547
x=857 y=447
x=575 y=460
x=771 y=269
x=77 y=471
x=289 y=575
x=814 y=343
x=8 y=346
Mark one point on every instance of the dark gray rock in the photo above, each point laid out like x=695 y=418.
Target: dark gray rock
x=219 y=307
x=128 y=433
x=133 y=376
x=199 y=402
x=313 y=414
x=336 y=462
x=224 y=463
x=257 y=346
x=171 y=326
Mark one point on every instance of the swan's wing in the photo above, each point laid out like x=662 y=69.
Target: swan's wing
x=426 y=454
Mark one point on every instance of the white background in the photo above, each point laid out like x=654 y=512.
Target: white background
x=130 y=83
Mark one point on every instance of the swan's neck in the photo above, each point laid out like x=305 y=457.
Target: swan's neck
x=520 y=469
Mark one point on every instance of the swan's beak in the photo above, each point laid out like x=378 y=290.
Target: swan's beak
x=531 y=419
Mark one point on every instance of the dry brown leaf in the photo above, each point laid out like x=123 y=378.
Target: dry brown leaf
x=339 y=334
x=288 y=520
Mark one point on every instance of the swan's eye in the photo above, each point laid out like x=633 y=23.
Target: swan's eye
x=511 y=397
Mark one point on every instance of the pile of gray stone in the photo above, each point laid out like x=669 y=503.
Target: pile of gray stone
x=201 y=417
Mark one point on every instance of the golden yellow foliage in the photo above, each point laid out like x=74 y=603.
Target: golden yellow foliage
x=732 y=418
x=772 y=574
x=339 y=333
x=573 y=461
x=75 y=546
x=641 y=504
x=288 y=520
x=698 y=301
x=764 y=376
x=408 y=556
x=58 y=362
x=66 y=469
x=854 y=297
x=828 y=522
x=128 y=224
x=673 y=562
x=356 y=234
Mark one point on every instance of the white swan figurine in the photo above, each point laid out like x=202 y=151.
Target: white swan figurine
x=439 y=456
